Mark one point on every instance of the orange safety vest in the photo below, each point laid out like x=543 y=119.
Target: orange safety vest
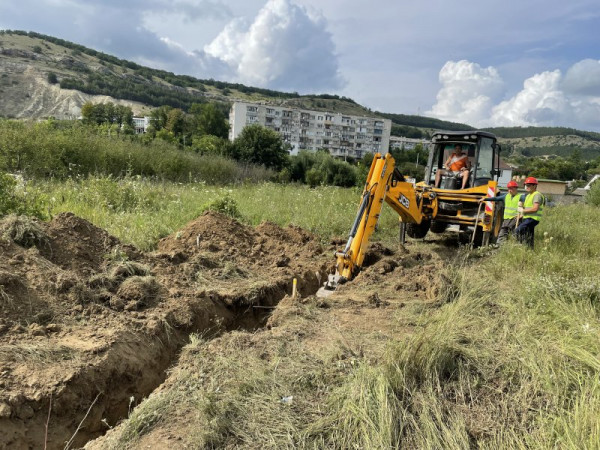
x=457 y=162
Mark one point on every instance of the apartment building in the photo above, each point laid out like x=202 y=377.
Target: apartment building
x=141 y=124
x=404 y=143
x=343 y=135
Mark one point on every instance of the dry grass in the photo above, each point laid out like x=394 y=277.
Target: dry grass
x=23 y=231
x=40 y=354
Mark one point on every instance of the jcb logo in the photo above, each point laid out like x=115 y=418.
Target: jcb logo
x=404 y=201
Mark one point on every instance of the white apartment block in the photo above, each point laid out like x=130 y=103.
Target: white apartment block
x=141 y=124
x=343 y=135
x=399 y=142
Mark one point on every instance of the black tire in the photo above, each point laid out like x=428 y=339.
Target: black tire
x=418 y=231
x=479 y=237
x=438 y=227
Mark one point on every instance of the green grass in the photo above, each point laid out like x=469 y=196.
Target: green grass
x=141 y=212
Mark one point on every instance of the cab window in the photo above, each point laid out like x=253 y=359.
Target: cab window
x=443 y=151
x=485 y=164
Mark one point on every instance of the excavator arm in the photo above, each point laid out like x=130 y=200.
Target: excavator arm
x=384 y=182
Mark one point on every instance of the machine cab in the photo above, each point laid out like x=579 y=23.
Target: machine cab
x=482 y=152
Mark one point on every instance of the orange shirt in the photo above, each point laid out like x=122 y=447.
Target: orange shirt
x=457 y=162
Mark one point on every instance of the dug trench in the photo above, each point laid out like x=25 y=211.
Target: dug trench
x=89 y=326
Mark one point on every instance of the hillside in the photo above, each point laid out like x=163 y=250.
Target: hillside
x=43 y=76
x=30 y=61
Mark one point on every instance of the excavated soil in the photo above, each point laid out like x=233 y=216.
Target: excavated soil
x=88 y=325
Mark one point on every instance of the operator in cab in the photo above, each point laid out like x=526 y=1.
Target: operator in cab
x=457 y=165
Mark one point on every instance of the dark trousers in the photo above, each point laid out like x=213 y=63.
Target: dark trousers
x=524 y=231
x=507 y=227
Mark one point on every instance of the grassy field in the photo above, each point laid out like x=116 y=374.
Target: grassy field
x=141 y=212
x=515 y=350
x=509 y=358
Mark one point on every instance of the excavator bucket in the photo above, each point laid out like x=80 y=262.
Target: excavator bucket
x=329 y=287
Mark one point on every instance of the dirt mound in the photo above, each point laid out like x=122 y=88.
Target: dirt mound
x=216 y=233
x=78 y=245
x=214 y=253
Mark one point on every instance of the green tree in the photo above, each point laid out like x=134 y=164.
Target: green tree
x=175 y=121
x=259 y=145
x=159 y=117
x=87 y=113
x=210 y=145
x=209 y=120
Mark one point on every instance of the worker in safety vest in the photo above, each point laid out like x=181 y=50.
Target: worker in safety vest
x=457 y=164
x=511 y=204
x=530 y=211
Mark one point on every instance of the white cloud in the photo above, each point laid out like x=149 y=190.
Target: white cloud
x=546 y=99
x=583 y=78
x=468 y=92
x=285 y=47
x=540 y=102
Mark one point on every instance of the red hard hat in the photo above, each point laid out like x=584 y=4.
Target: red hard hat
x=512 y=184
x=531 y=180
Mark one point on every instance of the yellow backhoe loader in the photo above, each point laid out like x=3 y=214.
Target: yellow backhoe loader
x=422 y=206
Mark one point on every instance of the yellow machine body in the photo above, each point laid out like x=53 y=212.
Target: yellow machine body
x=418 y=206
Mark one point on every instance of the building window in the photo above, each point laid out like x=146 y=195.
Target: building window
x=252 y=108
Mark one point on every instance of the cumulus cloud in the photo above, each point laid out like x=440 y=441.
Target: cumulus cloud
x=539 y=102
x=583 y=78
x=468 y=91
x=285 y=47
x=546 y=99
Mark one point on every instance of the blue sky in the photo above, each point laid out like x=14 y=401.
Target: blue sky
x=483 y=62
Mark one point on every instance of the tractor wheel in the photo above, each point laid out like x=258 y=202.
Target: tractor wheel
x=418 y=230
x=438 y=227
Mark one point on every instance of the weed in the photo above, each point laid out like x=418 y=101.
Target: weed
x=225 y=205
x=129 y=269
x=23 y=231
x=5 y=298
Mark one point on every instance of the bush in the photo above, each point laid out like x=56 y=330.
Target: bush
x=52 y=78
x=593 y=196
x=15 y=199
x=66 y=149
x=322 y=168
